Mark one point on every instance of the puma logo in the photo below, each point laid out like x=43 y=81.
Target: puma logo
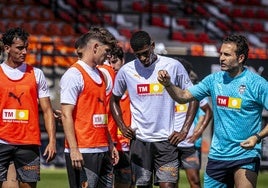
x=100 y=100
x=10 y=94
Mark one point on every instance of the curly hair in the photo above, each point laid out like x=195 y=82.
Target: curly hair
x=118 y=52
x=12 y=33
x=139 y=39
x=241 y=44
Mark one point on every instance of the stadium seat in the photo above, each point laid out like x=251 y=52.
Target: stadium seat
x=125 y=32
x=261 y=13
x=158 y=21
x=31 y=59
x=87 y=4
x=82 y=18
x=264 y=38
x=33 y=45
x=54 y=29
x=237 y=12
x=40 y=28
x=257 y=27
x=65 y=16
x=65 y=61
x=35 y=13
x=249 y=13
x=101 y=6
x=246 y=25
x=221 y=25
x=201 y=10
x=191 y=37
x=47 y=60
x=178 y=35
x=47 y=15
x=261 y=53
x=203 y=38
x=197 y=50
x=162 y=8
x=28 y=26
x=8 y=12
x=73 y=3
x=225 y=10
x=137 y=6
x=185 y=22
x=67 y=30
x=3 y=24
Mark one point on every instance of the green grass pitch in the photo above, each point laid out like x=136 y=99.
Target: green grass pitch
x=57 y=178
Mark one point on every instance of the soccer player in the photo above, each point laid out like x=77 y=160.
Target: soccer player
x=238 y=98
x=153 y=139
x=89 y=152
x=189 y=154
x=23 y=90
x=122 y=170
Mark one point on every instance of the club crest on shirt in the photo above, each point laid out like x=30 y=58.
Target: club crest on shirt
x=242 y=89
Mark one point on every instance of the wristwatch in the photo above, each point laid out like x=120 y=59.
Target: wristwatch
x=258 y=138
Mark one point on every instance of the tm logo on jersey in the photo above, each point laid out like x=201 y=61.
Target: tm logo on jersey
x=150 y=89
x=229 y=102
x=14 y=114
x=179 y=108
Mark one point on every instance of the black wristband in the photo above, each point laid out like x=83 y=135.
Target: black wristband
x=258 y=138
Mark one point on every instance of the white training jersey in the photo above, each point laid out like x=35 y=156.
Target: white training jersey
x=180 y=116
x=151 y=106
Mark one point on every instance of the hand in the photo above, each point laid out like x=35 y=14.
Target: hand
x=176 y=137
x=194 y=137
x=164 y=78
x=76 y=158
x=127 y=132
x=57 y=114
x=115 y=155
x=50 y=152
x=249 y=143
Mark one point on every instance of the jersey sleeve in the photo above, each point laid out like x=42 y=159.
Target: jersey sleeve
x=263 y=96
x=202 y=89
x=120 y=83
x=71 y=84
x=43 y=89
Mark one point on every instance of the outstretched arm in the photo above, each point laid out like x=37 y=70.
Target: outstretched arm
x=177 y=94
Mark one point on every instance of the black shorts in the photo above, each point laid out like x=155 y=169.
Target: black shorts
x=221 y=173
x=189 y=158
x=97 y=170
x=26 y=159
x=122 y=171
x=158 y=159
